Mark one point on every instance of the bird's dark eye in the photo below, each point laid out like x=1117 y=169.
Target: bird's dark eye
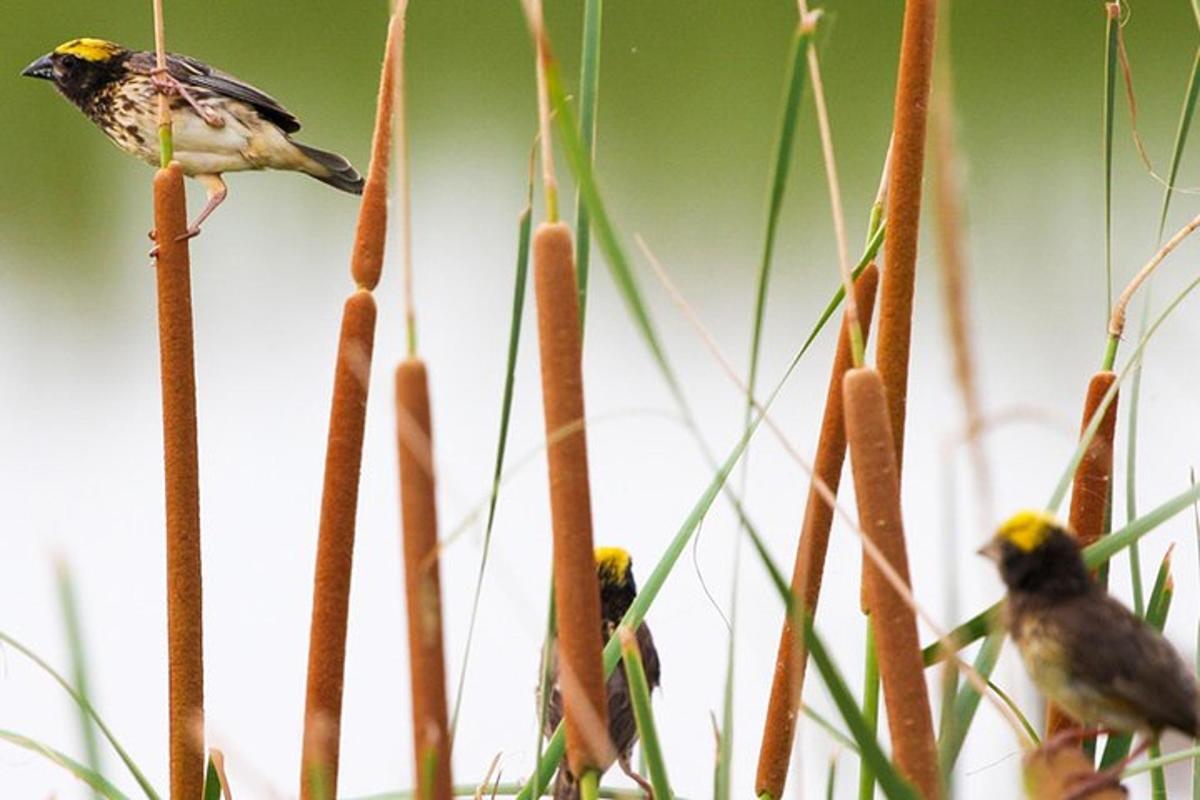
x=70 y=62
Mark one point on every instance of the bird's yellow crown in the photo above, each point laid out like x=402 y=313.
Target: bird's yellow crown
x=89 y=49
x=1027 y=530
x=612 y=563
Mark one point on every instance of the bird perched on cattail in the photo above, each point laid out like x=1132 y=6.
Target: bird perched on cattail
x=1083 y=649
x=614 y=568
x=220 y=124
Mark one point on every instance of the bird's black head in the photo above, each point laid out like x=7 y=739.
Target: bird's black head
x=1037 y=556
x=81 y=67
x=614 y=568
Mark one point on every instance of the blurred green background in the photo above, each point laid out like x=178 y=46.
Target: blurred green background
x=690 y=95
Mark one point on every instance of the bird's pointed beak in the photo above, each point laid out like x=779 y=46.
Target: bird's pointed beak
x=990 y=551
x=42 y=68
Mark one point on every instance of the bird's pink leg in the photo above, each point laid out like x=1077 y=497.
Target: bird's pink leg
x=217 y=192
x=627 y=768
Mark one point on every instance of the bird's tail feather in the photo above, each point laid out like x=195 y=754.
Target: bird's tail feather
x=332 y=169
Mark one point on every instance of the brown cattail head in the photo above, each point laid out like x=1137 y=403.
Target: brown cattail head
x=1090 y=491
x=787 y=686
x=366 y=261
x=904 y=210
x=893 y=621
x=1093 y=476
x=431 y=732
x=185 y=652
x=576 y=589
x=335 y=548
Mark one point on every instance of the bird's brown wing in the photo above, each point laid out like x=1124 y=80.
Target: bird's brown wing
x=649 y=656
x=1119 y=654
x=194 y=73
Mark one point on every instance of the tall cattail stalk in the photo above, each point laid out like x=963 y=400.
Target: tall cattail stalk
x=422 y=582
x=181 y=462
x=787 y=686
x=185 y=651
x=893 y=620
x=560 y=344
x=576 y=590
x=1091 y=490
x=343 y=460
x=432 y=741
x=904 y=210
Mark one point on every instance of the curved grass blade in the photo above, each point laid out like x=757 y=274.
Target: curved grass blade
x=1135 y=393
x=86 y=706
x=870 y=707
x=639 y=694
x=831 y=779
x=967 y=703
x=1181 y=134
x=212 y=781
x=69 y=608
x=524 y=226
x=797 y=72
x=92 y=778
x=614 y=252
x=544 y=679
x=589 y=88
x=1030 y=731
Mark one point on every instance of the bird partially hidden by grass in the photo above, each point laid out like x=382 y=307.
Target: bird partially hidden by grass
x=220 y=124
x=1083 y=649
x=614 y=568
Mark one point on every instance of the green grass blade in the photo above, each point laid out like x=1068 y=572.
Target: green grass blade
x=722 y=772
x=589 y=88
x=831 y=779
x=639 y=694
x=1135 y=393
x=1196 y=523
x=779 y=175
x=870 y=707
x=967 y=702
x=212 y=782
x=614 y=251
x=1181 y=134
x=92 y=778
x=545 y=676
x=797 y=74
x=524 y=226
x=862 y=733
x=965 y=634
x=1030 y=731
x=889 y=780
x=1112 y=31
x=69 y=608
x=86 y=706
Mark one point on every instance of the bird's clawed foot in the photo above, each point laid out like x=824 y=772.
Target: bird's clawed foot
x=191 y=233
x=627 y=768
x=168 y=85
x=1092 y=782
